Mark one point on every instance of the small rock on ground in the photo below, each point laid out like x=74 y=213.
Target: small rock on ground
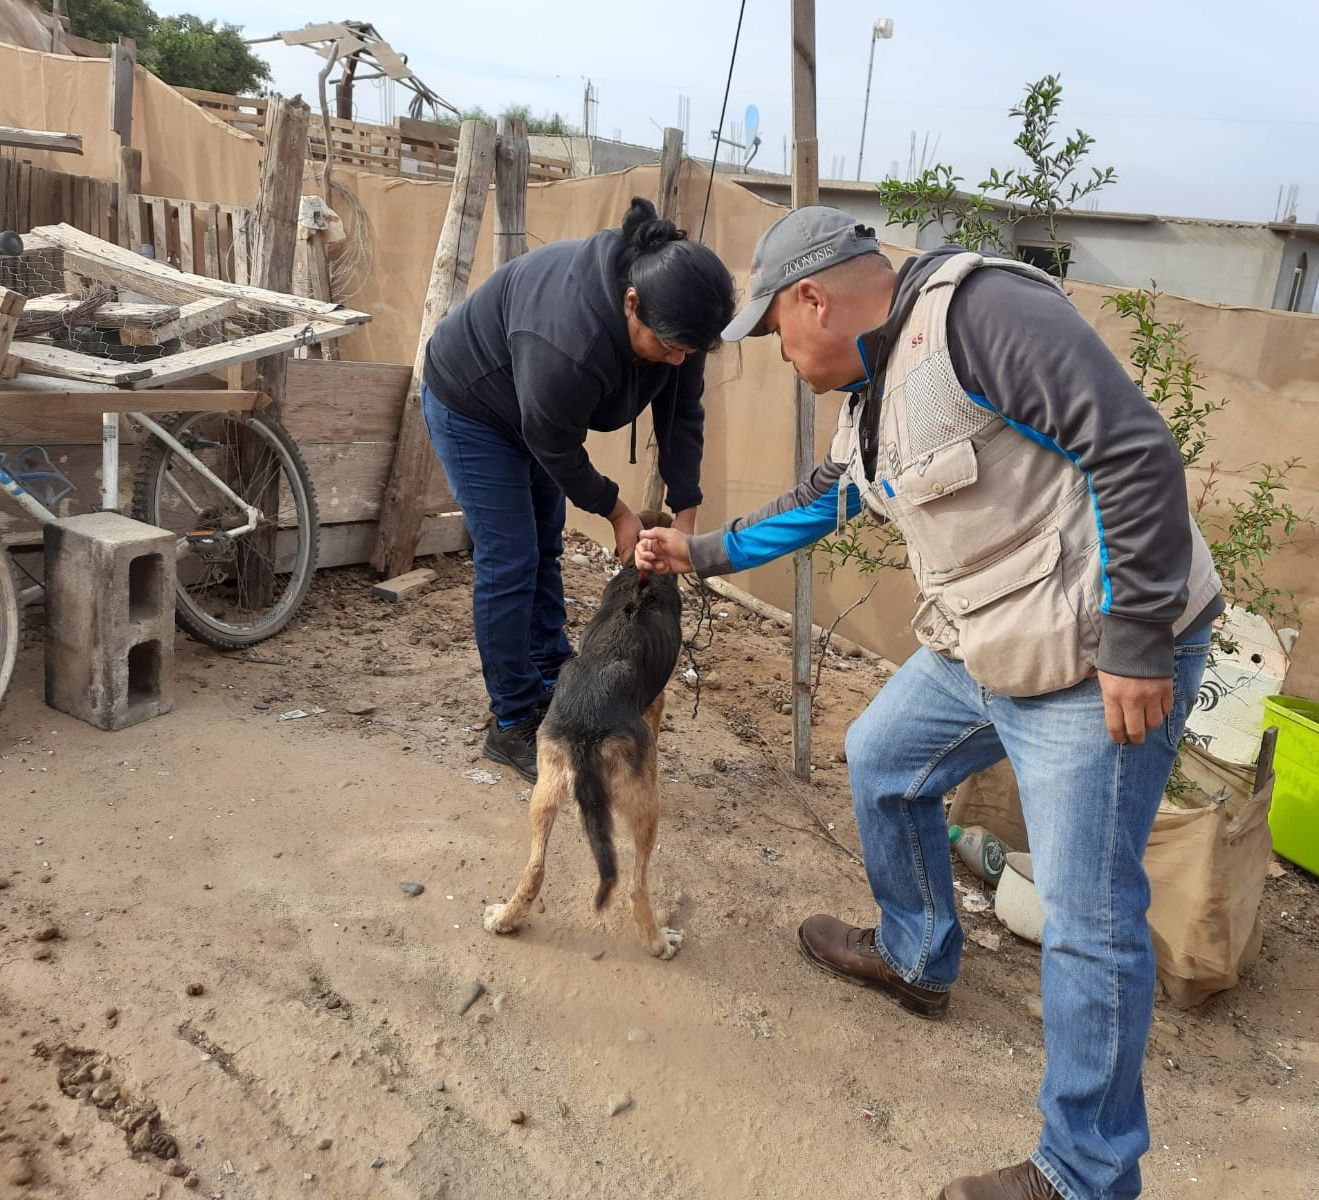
x=324 y=1143
x=474 y=992
x=619 y=1104
x=412 y=889
x=639 y=1035
x=195 y=989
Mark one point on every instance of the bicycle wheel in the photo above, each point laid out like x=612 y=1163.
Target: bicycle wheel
x=232 y=591
x=11 y=623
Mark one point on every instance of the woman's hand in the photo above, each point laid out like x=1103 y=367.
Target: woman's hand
x=685 y=521
x=663 y=552
x=627 y=528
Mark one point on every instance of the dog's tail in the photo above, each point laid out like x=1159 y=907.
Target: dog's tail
x=597 y=818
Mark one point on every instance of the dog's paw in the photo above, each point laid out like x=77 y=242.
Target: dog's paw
x=670 y=942
x=494 y=919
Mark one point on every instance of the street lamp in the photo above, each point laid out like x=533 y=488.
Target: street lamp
x=883 y=29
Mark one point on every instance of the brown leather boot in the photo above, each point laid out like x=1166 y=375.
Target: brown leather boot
x=1022 y=1182
x=849 y=953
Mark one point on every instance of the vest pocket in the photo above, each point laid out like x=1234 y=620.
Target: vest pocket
x=1020 y=631
x=939 y=474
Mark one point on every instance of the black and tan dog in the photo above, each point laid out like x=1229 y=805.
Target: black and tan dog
x=597 y=744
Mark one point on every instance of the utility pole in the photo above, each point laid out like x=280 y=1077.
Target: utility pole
x=883 y=28
x=805 y=190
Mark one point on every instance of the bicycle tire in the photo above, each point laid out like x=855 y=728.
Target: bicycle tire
x=11 y=624
x=159 y=462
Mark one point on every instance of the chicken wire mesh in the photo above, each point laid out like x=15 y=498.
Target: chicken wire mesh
x=77 y=305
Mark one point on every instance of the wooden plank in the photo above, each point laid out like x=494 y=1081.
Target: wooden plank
x=42 y=359
x=93 y=402
x=344 y=401
x=351 y=477
x=160 y=228
x=211 y=242
x=6 y=204
x=84 y=204
x=113 y=315
x=242 y=245
x=23 y=218
x=123 y=57
x=329 y=31
x=201 y=96
x=129 y=188
x=11 y=308
x=187 y=249
x=101 y=204
x=414 y=461
x=40 y=139
x=114 y=264
x=206 y=359
x=274 y=228
x=393 y=66
x=202 y=314
x=403 y=586
x=342 y=47
x=511 y=159
x=351 y=542
x=136 y=224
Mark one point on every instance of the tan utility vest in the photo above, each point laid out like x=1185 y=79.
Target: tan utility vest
x=1002 y=531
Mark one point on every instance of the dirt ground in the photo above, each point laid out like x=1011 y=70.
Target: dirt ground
x=203 y=915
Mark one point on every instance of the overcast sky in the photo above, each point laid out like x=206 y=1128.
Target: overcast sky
x=1204 y=109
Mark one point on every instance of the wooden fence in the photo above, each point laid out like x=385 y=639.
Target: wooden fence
x=408 y=147
x=203 y=239
x=32 y=196
x=214 y=240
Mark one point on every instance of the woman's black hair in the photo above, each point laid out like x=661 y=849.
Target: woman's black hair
x=684 y=293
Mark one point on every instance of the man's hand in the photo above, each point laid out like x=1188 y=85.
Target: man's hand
x=663 y=552
x=627 y=528
x=1133 y=707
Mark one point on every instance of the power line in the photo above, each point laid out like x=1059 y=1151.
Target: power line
x=723 y=112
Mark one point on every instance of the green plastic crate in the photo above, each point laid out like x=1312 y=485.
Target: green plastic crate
x=1294 y=816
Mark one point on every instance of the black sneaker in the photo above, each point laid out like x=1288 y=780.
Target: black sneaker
x=515 y=746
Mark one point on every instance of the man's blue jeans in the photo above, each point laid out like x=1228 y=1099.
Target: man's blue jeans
x=1089 y=805
x=515 y=514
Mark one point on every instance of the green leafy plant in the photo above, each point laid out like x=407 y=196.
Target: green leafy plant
x=1243 y=533
x=547 y=123
x=183 y=50
x=1054 y=181
x=188 y=52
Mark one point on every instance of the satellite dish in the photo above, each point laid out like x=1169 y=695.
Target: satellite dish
x=752 y=123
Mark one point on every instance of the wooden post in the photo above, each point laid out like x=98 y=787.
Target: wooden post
x=274 y=242
x=805 y=190
x=276 y=235
x=123 y=58
x=513 y=157
x=652 y=490
x=11 y=308
x=414 y=460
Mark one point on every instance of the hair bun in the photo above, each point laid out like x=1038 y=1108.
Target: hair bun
x=644 y=231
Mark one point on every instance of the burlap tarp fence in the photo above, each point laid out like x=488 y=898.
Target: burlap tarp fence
x=1265 y=363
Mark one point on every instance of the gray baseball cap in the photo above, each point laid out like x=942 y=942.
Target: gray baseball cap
x=806 y=241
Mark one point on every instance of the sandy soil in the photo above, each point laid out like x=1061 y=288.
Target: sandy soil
x=229 y=951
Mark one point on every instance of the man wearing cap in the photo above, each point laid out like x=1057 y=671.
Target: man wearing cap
x=1064 y=603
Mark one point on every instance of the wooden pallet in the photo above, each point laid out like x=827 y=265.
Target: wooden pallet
x=165 y=304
